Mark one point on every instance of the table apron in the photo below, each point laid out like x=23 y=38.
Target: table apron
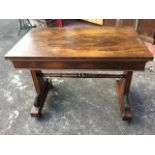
x=111 y=65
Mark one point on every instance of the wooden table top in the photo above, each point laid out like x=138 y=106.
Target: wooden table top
x=106 y=43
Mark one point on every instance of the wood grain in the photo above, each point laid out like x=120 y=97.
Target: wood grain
x=80 y=64
x=84 y=43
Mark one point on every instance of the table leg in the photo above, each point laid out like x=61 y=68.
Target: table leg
x=42 y=87
x=123 y=87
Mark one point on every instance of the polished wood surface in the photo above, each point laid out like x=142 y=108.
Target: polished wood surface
x=80 y=43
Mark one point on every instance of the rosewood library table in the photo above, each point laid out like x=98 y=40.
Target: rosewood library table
x=85 y=48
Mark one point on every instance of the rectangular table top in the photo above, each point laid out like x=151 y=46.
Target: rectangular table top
x=107 y=43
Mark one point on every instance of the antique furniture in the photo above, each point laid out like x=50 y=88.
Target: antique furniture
x=110 y=48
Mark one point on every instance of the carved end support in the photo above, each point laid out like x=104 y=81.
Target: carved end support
x=126 y=113
x=40 y=99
